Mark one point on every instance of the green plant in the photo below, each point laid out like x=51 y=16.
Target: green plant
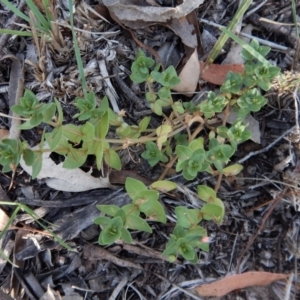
x=177 y=141
x=40 y=22
x=128 y=217
x=187 y=234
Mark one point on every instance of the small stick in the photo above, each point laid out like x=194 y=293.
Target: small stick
x=266 y=148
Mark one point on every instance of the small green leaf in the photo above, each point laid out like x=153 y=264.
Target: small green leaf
x=103 y=126
x=185 y=249
x=156 y=108
x=196 y=144
x=211 y=212
x=187 y=217
x=37 y=166
x=29 y=156
x=145 y=200
x=88 y=131
x=99 y=154
x=206 y=193
x=126 y=236
x=112 y=159
x=75 y=158
x=183 y=152
x=104 y=221
x=53 y=138
x=131 y=209
x=137 y=223
x=60 y=112
x=153 y=155
x=157 y=213
x=177 y=106
x=232 y=170
x=49 y=113
x=162 y=134
x=178 y=231
x=72 y=133
x=143 y=124
x=113 y=231
x=232 y=84
x=134 y=187
x=110 y=210
x=195 y=233
x=171 y=248
x=163 y=186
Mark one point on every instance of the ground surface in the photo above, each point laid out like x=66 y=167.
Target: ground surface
x=260 y=230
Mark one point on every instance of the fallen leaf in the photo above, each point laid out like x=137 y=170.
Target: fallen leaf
x=230 y=283
x=181 y=19
x=4 y=133
x=216 y=74
x=62 y=179
x=3 y=219
x=189 y=76
x=126 y=10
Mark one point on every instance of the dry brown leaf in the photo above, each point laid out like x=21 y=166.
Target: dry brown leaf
x=3 y=219
x=179 y=19
x=216 y=74
x=127 y=11
x=239 y=281
x=189 y=76
x=4 y=133
x=62 y=179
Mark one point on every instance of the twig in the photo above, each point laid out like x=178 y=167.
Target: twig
x=257 y=7
x=261 y=41
x=178 y=287
x=264 y=219
x=118 y=288
x=266 y=148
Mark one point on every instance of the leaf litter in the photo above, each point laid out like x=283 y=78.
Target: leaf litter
x=98 y=273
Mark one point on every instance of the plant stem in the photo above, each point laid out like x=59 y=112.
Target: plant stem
x=226 y=114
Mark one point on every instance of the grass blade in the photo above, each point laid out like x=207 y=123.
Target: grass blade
x=35 y=217
x=47 y=11
x=223 y=38
x=245 y=46
x=55 y=236
x=295 y=18
x=38 y=15
x=15 y=32
x=77 y=52
x=11 y=219
x=15 y=10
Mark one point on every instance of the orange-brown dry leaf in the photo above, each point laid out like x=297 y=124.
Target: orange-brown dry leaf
x=239 y=281
x=216 y=74
x=4 y=133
